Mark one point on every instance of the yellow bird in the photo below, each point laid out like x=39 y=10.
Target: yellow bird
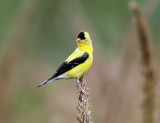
x=78 y=63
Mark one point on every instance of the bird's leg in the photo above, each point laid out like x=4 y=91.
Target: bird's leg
x=80 y=88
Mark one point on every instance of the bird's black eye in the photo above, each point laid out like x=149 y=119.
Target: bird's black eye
x=81 y=35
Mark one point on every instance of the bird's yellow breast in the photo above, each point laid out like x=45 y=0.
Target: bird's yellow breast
x=81 y=69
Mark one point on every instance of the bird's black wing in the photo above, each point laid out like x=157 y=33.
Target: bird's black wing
x=66 y=66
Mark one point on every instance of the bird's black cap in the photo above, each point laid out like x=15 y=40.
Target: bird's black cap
x=81 y=35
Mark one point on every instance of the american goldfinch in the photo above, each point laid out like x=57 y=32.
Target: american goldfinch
x=78 y=63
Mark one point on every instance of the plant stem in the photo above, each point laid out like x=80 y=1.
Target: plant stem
x=147 y=63
x=83 y=111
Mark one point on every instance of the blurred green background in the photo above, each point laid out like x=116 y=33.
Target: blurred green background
x=36 y=36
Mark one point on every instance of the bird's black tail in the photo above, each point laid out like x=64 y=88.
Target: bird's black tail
x=45 y=82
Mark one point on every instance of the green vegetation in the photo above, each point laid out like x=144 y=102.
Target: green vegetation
x=36 y=36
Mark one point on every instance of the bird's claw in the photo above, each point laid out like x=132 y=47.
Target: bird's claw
x=82 y=90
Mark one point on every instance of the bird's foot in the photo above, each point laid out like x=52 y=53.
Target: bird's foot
x=82 y=90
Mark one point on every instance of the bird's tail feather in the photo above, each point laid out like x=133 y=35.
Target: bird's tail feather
x=45 y=82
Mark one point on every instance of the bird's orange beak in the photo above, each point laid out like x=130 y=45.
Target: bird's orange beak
x=78 y=40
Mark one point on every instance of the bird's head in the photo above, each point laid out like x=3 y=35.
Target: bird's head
x=83 y=39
